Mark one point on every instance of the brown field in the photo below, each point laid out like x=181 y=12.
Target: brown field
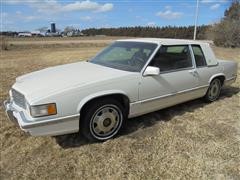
x=193 y=140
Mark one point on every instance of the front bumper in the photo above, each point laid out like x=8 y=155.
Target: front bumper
x=14 y=115
x=51 y=127
x=9 y=111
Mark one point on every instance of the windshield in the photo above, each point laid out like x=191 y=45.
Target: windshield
x=127 y=56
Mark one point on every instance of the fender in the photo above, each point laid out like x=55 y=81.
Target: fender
x=96 y=95
x=216 y=75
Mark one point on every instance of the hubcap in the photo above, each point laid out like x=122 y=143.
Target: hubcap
x=214 y=90
x=106 y=121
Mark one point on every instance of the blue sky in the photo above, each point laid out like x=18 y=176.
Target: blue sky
x=20 y=15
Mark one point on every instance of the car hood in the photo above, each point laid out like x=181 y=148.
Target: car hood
x=59 y=78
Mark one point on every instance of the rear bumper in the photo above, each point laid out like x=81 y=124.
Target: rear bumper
x=229 y=81
x=50 y=127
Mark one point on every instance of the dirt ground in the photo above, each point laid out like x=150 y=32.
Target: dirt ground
x=194 y=140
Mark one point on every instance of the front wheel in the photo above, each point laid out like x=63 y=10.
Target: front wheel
x=102 y=119
x=213 y=90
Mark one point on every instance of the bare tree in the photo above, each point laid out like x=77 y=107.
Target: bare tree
x=69 y=29
x=42 y=29
x=226 y=33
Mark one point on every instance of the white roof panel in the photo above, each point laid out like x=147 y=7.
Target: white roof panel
x=164 y=41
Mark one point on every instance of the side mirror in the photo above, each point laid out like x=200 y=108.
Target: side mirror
x=151 y=71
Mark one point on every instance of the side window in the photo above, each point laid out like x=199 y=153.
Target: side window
x=170 y=58
x=199 y=56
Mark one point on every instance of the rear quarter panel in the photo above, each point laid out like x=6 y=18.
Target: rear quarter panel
x=229 y=68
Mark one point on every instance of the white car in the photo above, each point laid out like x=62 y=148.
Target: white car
x=127 y=79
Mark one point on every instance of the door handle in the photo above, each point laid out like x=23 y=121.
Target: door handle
x=193 y=72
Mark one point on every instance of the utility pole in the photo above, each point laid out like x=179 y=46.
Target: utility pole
x=196 y=20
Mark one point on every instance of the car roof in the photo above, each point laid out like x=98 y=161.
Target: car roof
x=164 y=41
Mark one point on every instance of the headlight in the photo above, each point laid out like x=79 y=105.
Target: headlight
x=43 y=110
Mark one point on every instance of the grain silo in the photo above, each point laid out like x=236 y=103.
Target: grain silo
x=53 y=28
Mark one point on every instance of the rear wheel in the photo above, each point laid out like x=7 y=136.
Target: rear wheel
x=213 y=90
x=102 y=119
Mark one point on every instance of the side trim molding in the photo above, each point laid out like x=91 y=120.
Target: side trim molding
x=168 y=95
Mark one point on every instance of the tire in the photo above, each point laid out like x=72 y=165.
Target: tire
x=214 y=90
x=102 y=119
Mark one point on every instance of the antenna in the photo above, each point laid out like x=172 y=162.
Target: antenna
x=196 y=19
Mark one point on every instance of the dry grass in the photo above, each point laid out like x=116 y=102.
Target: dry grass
x=193 y=140
x=4 y=43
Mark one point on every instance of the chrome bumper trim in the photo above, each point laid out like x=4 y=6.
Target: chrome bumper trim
x=232 y=78
x=50 y=122
x=10 y=110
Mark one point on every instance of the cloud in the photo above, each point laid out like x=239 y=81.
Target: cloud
x=213 y=1
x=87 y=5
x=53 y=6
x=151 y=24
x=168 y=7
x=25 y=18
x=18 y=12
x=169 y=14
x=13 y=1
x=215 y=6
x=86 y=18
x=18 y=15
x=104 y=8
x=29 y=18
x=130 y=10
x=3 y=15
x=207 y=1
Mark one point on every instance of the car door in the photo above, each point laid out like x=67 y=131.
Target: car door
x=203 y=71
x=175 y=82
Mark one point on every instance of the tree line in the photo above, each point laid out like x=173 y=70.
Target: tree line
x=158 y=32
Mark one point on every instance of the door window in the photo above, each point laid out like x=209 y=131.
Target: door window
x=170 y=58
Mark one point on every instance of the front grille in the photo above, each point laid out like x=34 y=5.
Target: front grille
x=18 y=99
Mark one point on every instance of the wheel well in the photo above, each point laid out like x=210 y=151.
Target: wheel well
x=119 y=97
x=221 y=78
